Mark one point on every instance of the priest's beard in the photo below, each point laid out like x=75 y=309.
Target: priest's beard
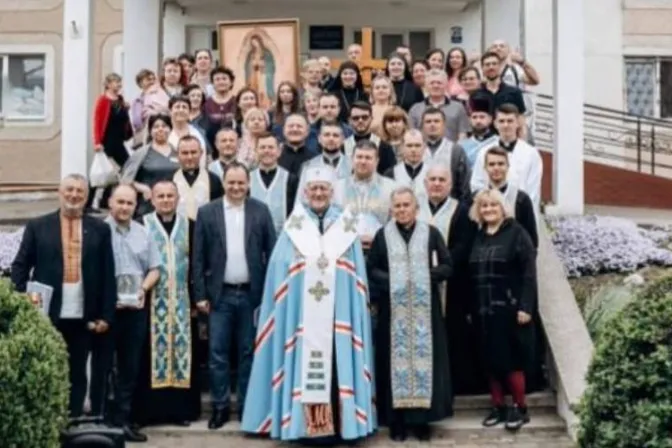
x=479 y=132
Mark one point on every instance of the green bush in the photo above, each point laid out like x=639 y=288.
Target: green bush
x=34 y=385
x=628 y=401
x=604 y=305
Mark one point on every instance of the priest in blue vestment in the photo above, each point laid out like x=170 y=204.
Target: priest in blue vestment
x=482 y=134
x=312 y=376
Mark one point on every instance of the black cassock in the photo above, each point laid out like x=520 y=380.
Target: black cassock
x=378 y=271
x=503 y=269
x=171 y=404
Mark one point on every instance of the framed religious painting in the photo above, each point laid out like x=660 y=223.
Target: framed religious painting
x=261 y=53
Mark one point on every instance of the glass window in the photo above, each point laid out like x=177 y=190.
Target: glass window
x=666 y=88
x=640 y=79
x=390 y=42
x=23 y=86
x=420 y=42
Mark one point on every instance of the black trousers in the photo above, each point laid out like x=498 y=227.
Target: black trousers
x=78 y=342
x=130 y=331
x=102 y=355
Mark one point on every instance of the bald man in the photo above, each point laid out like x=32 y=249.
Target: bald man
x=136 y=263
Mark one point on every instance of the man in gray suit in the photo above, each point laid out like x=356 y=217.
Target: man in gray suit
x=233 y=240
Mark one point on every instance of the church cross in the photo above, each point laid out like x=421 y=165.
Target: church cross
x=367 y=64
x=349 y=223
x=295 y=222
x=318 y=291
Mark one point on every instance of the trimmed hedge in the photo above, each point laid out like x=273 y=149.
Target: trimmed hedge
x=34 y=383
x=628 y=402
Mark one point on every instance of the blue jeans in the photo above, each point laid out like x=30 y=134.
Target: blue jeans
x=231 y=317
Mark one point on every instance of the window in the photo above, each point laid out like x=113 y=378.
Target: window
x=357 y=39
x=390 y=42
x=648 y=86
x=387 y=40
x=420 y=42
x=23 y=86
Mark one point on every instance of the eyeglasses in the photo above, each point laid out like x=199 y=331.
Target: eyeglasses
x=359 y=117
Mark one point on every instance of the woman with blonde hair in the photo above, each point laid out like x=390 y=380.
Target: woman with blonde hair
x=502 y=267
x=393 y=126
x=382 y=99
x=255 y=123
x=311 y=75
x=311 y=103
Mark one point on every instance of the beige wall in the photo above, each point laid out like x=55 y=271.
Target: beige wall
x=31 y=153
x=647 y=25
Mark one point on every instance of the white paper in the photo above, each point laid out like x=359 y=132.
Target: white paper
x=42 y=294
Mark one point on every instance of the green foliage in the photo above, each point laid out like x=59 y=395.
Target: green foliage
x=604 y=304
x=628 y=402
x=34 y=385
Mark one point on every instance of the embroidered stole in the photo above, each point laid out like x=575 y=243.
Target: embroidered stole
x=170 y=309
x=444 y=153
x=411 y=348
x=418 y=184
x=350 y=143
x=320 y=253
x=441 y=220
x=372 y=206
x=192 y=196
x=274 y=196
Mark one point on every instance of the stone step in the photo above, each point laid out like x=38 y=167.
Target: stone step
x=544 y=430
x=544 y=400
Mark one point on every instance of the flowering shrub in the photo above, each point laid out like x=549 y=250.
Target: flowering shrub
x=589 y=245
x=9 y=246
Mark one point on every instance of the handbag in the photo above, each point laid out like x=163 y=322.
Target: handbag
x=103 y=171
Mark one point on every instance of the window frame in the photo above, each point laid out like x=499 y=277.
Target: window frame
x=657 y=60
x=47 y=51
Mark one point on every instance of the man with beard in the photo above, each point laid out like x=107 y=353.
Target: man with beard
x=196 y=186
x=494 y=88
x=226 y=142
x=329 y=111
x=451 y=217
x=361 y=117
x=294 y=150
x=482 y=134
x=407 y=263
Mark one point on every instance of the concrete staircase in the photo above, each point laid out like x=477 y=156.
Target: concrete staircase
x=464 y=429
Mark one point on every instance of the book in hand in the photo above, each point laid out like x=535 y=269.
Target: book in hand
x=40 y=295
x=128 y=290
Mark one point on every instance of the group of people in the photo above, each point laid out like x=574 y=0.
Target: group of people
x=360 y=261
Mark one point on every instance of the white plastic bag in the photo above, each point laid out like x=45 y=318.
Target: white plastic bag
x=103 y=172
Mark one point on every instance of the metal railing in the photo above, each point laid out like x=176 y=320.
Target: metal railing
x=613 y=137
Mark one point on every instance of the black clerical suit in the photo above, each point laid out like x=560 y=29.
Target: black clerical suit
x=407 y=93
x=459 y=169
x=40 y=259
x=292 y=157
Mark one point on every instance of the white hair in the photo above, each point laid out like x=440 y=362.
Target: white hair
x=436 y=73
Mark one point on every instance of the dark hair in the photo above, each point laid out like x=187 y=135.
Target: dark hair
x=421 y=62
x=328 y=95
x=265 y=135
x=331 y=125
x=159 y=117
x=449 y=70
x=509 y=109
x=226 y=129
x=407 y=69
x=496 y=151
x=188 y=138
x=187 y=57
x=201 y=50
x=278 y=111
x=221 y=70
x=190 y=88
x=142 y=75
x=366 y=144
x=165 y=181
x=433 y=111
x=178 y=99
x=236 y=165
x=337 y=84
x=434 y=51
x=361 y=105
x=466 y=70
x=238 y=115
x=488 y=55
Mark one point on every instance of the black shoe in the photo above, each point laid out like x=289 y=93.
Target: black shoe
x=398 y=433
x=422 y=432
x=241 y=411
x=219 y=418
x=496 y=416
x=133 y=435
x=517 y=418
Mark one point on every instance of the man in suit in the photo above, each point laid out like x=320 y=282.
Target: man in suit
x=72 y=253
x=233 y=240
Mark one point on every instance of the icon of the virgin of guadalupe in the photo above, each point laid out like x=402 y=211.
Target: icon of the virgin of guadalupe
x=260 y=69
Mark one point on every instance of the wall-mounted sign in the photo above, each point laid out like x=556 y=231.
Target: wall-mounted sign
x=326 y=37
x=456 y=35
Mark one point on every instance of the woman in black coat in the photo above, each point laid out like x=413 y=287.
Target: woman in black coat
x=405 y=89
x=349 y=88
x=502 y=267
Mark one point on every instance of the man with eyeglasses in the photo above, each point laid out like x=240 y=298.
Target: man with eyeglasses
x=361 y=117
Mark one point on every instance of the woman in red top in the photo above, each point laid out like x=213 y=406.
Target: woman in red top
x=111 y=121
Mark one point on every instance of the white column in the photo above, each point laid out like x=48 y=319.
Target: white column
x=502 y=19
x=174 y=31
x=77 y=93
x=141 y=40
x=568 y=91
